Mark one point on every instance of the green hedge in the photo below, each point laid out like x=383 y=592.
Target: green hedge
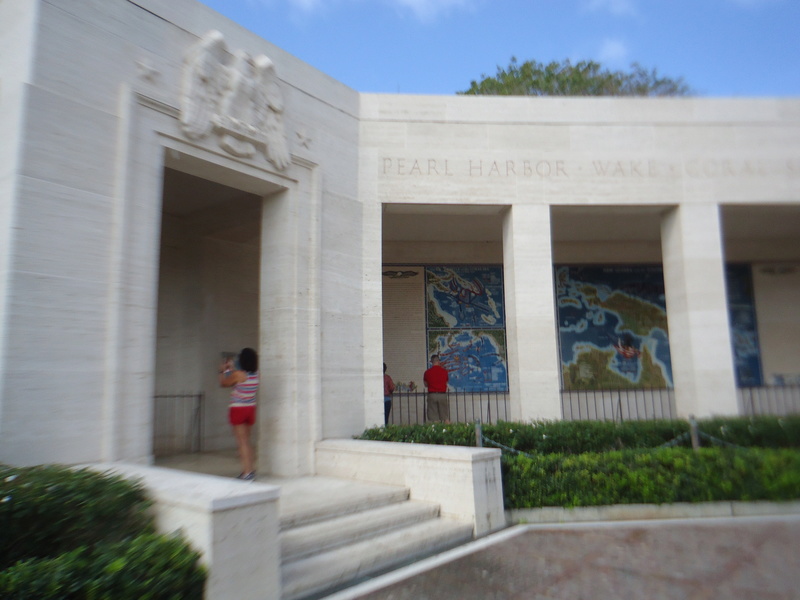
x=652 y=477
x=578 y=437
x=68 y=533
x=591 y=463
x=47 y=510
x=756 y=432
x=147 y=567
x=459 y=434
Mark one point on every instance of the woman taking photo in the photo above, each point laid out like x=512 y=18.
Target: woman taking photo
x=242 y=411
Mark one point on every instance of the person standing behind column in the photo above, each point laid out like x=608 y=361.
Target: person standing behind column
x=388 y=390
x=435 y=380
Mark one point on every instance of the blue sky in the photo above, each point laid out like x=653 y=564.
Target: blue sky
x=720 y=47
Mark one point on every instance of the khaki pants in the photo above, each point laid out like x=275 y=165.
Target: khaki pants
x=438 y=407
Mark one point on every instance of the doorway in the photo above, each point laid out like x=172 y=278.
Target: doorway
x=208 y=304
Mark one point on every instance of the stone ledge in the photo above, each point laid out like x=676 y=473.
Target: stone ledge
x=233 y=524
x=433 y=451
x=641 y=512
x=465 y=482
x=195 y=490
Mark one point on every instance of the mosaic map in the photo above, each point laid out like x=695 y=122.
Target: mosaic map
x=613 y=327
x=475 y=359
x=466 y=325
x=744 y=335
x=464 y=296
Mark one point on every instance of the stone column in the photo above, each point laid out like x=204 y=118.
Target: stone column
x=697 y=311
x=290 y=391
x=372 y=311
x=531 y=329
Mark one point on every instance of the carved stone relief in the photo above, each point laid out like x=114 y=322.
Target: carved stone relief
x=237 y=98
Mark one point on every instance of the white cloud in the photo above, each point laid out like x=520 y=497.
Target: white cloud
x=424 y=10
x=307 y=5
x=619 y=8
x=613 y=53
x=427 y=10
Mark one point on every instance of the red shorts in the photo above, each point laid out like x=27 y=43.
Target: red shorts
x=242 y=415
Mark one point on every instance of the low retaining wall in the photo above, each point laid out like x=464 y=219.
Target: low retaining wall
x=642 y=512
x=465 y=482
x=234 y=524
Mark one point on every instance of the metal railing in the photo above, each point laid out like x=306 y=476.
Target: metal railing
x=177 y=423
x=408 y=408
x=775 y=400
x=618 y=405
x=178 y=418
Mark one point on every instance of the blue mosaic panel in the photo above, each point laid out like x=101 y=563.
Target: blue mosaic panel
x=465 y=297
x=612 y=324
x=466 y=325
x=744 y=334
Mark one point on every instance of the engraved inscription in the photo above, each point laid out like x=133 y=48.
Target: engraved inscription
x=560 y=169
x=692 y=168
x=439 y=167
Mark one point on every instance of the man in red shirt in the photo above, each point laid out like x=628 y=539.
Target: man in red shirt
x=435 y=379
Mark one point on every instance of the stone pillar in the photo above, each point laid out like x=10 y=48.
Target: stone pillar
x=531 y=328
x=290 y=392
x=697 y=311
x=372 y=313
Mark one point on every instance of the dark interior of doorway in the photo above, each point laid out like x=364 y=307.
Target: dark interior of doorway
x=208 y=302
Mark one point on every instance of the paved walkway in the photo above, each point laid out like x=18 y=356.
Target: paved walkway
x=739 y=558
x=753 y=558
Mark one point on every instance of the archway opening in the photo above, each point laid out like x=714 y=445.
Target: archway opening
x=442 y=278
x=208 y=300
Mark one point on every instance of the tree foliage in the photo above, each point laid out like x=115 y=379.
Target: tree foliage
x=584 y=78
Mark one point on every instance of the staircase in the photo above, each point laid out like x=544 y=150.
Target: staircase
x=335 y=533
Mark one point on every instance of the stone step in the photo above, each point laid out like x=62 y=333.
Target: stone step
x=316 y=499
x=346 y=565
x=299 y=542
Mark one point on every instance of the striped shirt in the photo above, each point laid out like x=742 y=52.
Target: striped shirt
x=244 y=393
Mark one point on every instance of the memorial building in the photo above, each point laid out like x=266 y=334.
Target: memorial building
x=174 y=187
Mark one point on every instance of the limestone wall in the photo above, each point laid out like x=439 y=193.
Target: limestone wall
x=93 y=98
x=80 y=295
x=688 y=183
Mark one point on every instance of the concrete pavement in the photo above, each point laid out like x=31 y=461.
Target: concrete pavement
x=688 y=559
x=753 y=557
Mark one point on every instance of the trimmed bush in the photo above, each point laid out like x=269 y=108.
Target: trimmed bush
x=653 y=477
x=591 y=463
x=578 y=437
x=755 y=432
x=147 y=567
x=456 y=434
x=48 y=510
x=63 y=576
x=79 y=534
